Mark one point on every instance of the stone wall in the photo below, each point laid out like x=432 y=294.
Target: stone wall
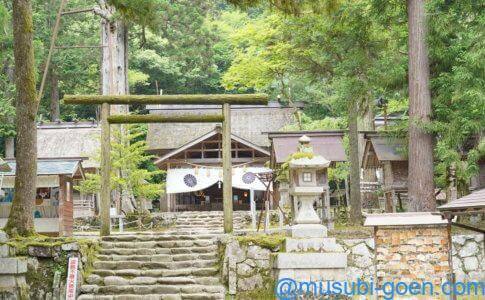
x=468 y=257
x=248 y=266
x=407 y=253
x=36 y=268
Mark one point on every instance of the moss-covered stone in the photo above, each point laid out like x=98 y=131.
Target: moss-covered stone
x=272 y=242
x=46 y=257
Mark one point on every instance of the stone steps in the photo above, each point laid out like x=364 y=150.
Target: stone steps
x=210 y=271
x=145 y=280
x=180 y=263
x=131 y=264
x=152 y=289
x=200 y=296
x=159 y=257
x=166 y=236
x=159 y=244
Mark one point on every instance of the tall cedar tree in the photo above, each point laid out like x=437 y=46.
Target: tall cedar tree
x=20 y=220
x=420 y=182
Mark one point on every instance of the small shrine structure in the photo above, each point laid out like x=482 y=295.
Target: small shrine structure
x=53 y=210
x=385 y=155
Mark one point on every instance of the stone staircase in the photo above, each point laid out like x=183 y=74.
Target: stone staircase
x=155 y=266
x=209 y=221
x=180 y=263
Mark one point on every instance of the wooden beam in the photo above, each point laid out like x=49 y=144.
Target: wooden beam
x=127 y=119
x=79 y=47
x=105 y=194
x=77 y=11
x=227 y=168
x=242 y=99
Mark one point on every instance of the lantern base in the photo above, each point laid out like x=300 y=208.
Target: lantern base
x=307 y=231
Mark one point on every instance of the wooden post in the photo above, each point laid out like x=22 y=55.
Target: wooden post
x=105 y=195
x=327 y=209
x=388 y=188
x=227 y=168
x=253 y=208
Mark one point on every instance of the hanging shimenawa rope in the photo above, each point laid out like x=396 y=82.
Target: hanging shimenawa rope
x=217 y=167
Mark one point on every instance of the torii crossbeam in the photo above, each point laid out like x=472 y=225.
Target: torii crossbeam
x=221 y=99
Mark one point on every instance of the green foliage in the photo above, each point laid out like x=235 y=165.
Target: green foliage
x=357 y=52
x=128 y=155
x=145 y=13
x=144 y=217
x=308 y=123
x=7 y=87
x=272 y=242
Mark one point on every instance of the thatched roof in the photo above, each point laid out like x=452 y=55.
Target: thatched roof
x=247 y=122
x=69 y=140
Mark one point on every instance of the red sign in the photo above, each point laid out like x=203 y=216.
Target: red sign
x=71 y=283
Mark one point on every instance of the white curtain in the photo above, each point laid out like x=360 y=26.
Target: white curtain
x=42 y=181
x=195 y=179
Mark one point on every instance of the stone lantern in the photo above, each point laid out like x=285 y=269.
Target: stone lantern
x=308 y=182
x=310 y=255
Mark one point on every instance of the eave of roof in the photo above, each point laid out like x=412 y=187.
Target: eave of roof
x=203 y=138
x=273 y=134
x=328 y=143
x=69 y=167
x=471 y=202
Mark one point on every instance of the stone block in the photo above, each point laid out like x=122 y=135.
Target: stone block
x=250 y=283
x=40 y=251
x=459 y=239
x=21 y=266
x=256 y=252
x=470 y=249
x=232 y=280
x=244 y=269
x=307 y=231
x=70 y=247
x=361 y=249
x=9 y=265
x=7 y=281
x=370 y=243
x=3 y=237
x=234 y=250
x=312 y=245
x=470 y=263
x=301 y=275
x=4 y=250
x=310 y=261
x=262 y=263
x=363 y=262
x=353 y=273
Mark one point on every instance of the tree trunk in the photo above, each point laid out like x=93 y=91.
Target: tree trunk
x=420 y=182
x=20 y=220
x=55 y=110
x=355 y=203
x=114 y=74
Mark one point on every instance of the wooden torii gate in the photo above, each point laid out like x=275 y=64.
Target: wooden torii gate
x=222 y=99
